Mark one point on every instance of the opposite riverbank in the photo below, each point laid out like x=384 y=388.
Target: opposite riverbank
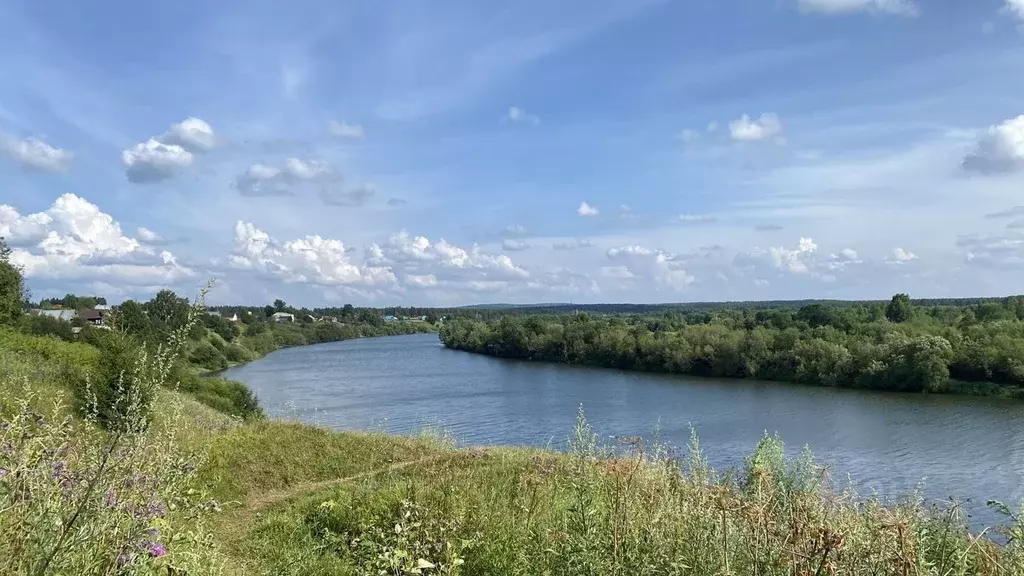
x=972 y=349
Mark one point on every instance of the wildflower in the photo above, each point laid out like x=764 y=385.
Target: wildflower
x=58 y=468
x=111 y=499
x=3 y=472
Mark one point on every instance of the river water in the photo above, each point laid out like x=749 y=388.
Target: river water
x=887 y=443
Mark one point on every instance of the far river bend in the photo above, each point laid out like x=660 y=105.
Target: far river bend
x=888 y=443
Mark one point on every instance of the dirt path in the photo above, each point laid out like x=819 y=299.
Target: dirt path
x=268 y=499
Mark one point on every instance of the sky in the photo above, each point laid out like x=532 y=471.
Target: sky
x=457 y=152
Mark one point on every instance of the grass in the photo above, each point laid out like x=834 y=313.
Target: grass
x=598 y=511
x=277 y=497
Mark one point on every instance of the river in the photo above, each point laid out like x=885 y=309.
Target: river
x=887 y=443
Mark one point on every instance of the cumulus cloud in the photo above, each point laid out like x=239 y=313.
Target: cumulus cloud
x=311 y=259
x=517 y=115
x=746 y=129
x=264 y=180
x=574 y=244
x=656 y=265
x=449 y=264
x=901 y=256
x=74 y=239
x=587 y=210
x=163 y=157
x=900 y=7
x=346 y=130
x=35 y=154
x=999 y=150
x=192 y=134
x=147 y=236
x=845 y=257
x=793 y=260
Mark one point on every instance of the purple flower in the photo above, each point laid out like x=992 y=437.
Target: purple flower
x=58 y=468
x=3 y=472
x=157 y=550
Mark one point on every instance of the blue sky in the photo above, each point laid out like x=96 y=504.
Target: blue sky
x=457 y=152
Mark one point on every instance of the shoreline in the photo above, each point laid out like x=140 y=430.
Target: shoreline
x=954 y=387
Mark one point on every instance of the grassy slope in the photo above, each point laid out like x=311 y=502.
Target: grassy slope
x=298 y=499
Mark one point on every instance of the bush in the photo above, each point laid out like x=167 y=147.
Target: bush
x=228 y=396
x=118 y=393
x=208 y=357
x=236 y=354
x=47 y=326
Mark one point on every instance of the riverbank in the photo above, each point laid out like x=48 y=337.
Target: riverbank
x=229 y=496
x=940 y=350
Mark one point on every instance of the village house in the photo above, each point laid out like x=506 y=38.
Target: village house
x=282 y=317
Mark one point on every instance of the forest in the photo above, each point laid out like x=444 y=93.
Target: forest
x=928 y=346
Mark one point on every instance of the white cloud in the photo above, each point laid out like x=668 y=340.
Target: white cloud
x=448 y=263
x=152 y=161
x=999 y=149
x=519 y=116
x=191 y=134
x=587 y=210
x=164 y=156
x=646 y=263
x=746 y=129
x=900 y=256
x=574 y=244
x=845 y=257
x=421 y=280
x=1017 y=7
x=264 y=180
x=697 y=218
x=147 y=236
x=307 y=260
x=74 y=239
x=793 y=260
x=33 y=153
x=346 y=130
x=901 y=7
x=515 y=245
x=513 y=230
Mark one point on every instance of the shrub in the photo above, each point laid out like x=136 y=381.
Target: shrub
x=208 y=357
x=228 y=396
x=236 y=354
x=47 y=326
x=117 y=393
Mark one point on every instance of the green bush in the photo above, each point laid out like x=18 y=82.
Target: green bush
x=228 y=396
x=208 y=357
x=50 y=348
x=236 y=354
x=119 y=391
x=47 y=326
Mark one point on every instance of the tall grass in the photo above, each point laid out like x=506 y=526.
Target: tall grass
x=102 y=495
x=631 y=509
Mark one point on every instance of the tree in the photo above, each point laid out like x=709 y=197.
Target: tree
x=132 y=319
x=280 y=305
x=268 y=311
x=347 y=311
x=12 y=287
x=899 y=308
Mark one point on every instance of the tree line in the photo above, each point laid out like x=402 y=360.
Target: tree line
x=900 y=345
